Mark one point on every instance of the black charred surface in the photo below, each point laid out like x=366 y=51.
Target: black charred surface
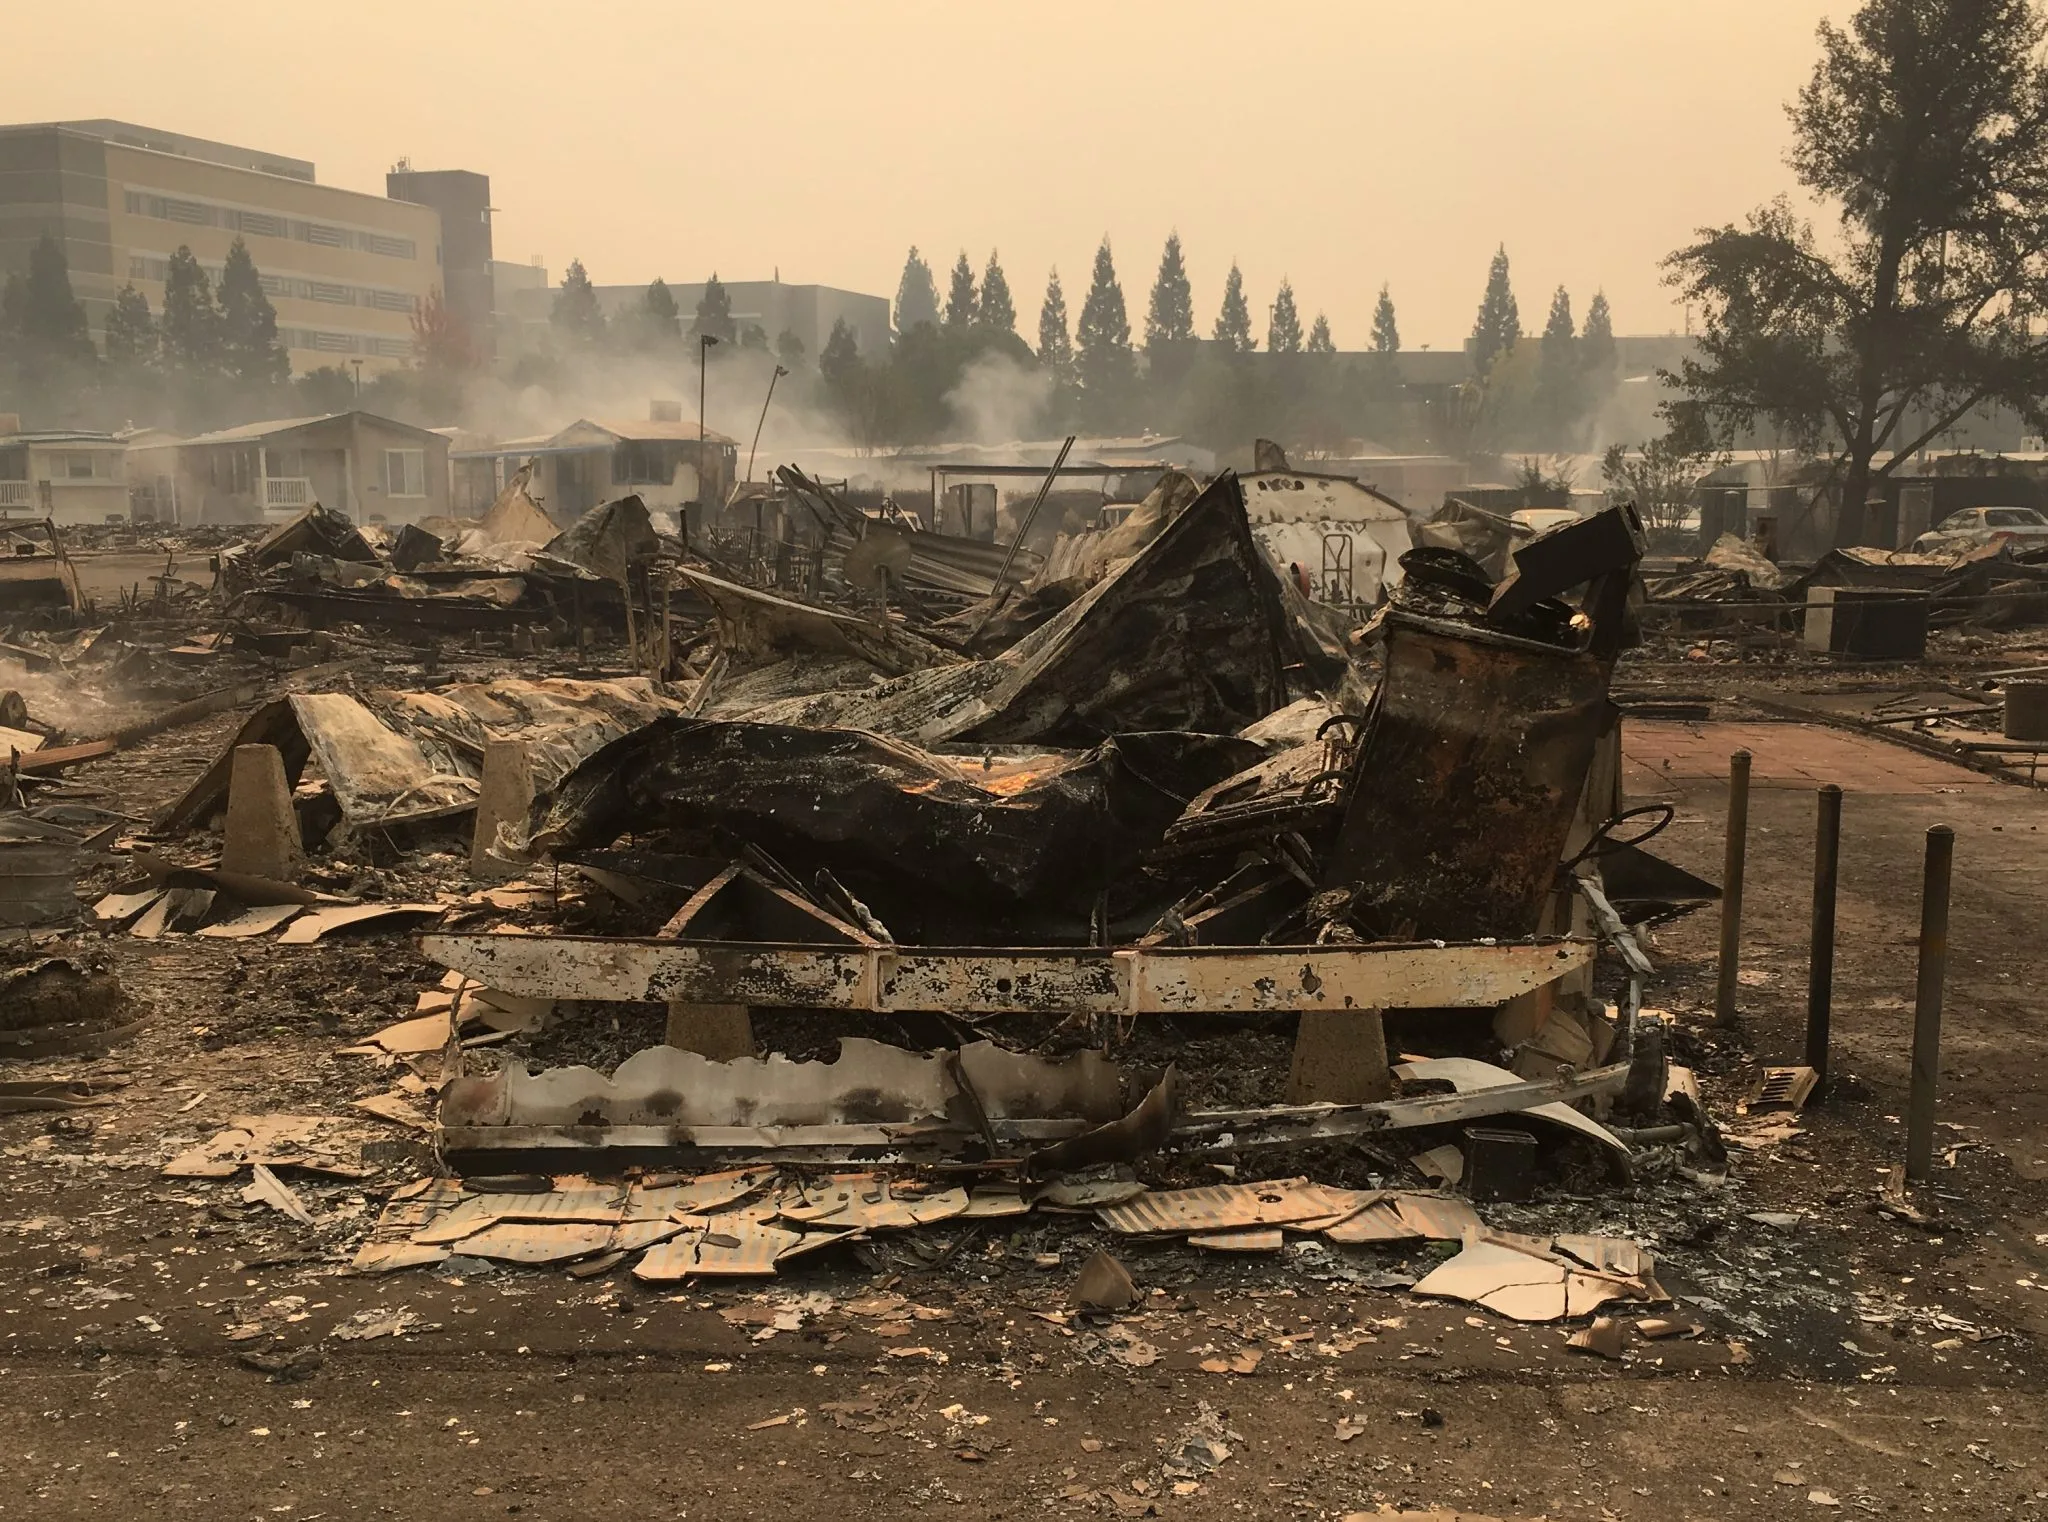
x=1466 y=781
x=1187 y=636
x=911 y=833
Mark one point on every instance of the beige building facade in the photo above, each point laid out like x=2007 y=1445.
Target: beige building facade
x=344 y=270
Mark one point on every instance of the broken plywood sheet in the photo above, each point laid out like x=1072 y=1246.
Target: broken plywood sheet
x=117 y=909
x=315 y=923
x=267 y=1188
x=1219 y=1208
x=277 y=1141
x=260 y=920
x=1514 y=1280
x=391 y=1244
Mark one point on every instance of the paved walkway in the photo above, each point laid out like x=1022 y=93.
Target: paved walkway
x=1658 y=756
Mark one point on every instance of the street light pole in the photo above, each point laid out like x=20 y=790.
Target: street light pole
x=704 y=343
x=756 y=446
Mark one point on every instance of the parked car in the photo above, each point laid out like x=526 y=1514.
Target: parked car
x=1977 y=527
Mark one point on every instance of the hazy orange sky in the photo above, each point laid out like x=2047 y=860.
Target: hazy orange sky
x=1339 y=142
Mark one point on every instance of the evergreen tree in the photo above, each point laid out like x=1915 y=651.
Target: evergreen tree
x=576 y=313
x=917 y=298
x=1170 y=315
x=1596 y=346
x=1386 y=331
x=1055 y=348
x=1559 y=329
x=1103 y=336
x=961 y=302
x=1561 y=394
x=661 y=320
x=997 y=313
x=191 y=322
x=131 y=338
x=1319 y=340
x=714 y=313
x=840 y=359
x=1498 y=327
x=789 y=349
x=1283 y=328
x=1233 y=331
x=41 y=315
x=250 y=349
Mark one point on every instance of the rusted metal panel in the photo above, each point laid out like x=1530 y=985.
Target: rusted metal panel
x=996 y=982
x=1466 y=780
x=1168 y=980
x=1230 y=980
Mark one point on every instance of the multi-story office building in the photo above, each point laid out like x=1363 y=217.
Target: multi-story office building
x=343 y=269
x=806 y=311
x=463 y=198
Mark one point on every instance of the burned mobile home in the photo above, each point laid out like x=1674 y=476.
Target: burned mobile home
x=1176 y=796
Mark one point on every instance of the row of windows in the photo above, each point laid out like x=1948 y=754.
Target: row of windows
x=158 y=268
x=267 y=224
x=321 y=342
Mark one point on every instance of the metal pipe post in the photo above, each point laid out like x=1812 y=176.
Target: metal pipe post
x=1941 y=850
x=1731 y=887
x=1820 y=963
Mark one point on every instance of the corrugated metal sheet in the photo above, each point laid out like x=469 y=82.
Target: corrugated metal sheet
x=1219 y=1207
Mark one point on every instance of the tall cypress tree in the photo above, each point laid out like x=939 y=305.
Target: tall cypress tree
x=1233 y=329
x=41 y=313
x=1386 y=330
x=840 y=359
x=917 y=298
x=1498 y=327
x=131 y=338
x=961 y=301
x=1170 y=314
x=1283 y=327
x=1561 y=392
x=576 y=312
x=250 y=349
x=660 y=319
x=1319 y=339
x=1596 y=345
x=1102 y=338
x=191 y=322
x=1055 y=348
x=997 y=312
x=714 y=313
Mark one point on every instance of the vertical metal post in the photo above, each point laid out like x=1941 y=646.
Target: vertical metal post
x=1941 y=848
x=1820 y=963
x=1731 y=887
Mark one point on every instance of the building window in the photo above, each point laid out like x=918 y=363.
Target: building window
x=405 y=472
x=640 y=463
x=78 y=467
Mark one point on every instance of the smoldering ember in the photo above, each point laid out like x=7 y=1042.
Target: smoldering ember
x=616 y=916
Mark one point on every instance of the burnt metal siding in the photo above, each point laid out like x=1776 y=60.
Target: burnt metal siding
x=54 y=180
